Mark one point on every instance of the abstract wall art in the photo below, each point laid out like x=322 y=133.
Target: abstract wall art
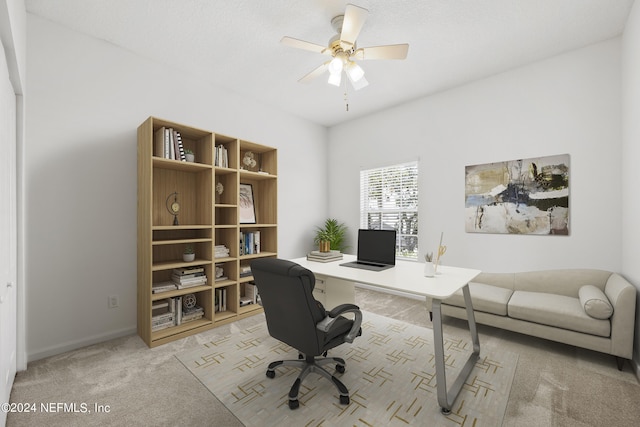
x=527 y=196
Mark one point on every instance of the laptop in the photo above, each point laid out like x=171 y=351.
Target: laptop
x=376 y=250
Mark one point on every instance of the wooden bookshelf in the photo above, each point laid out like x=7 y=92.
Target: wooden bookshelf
x=206 y=219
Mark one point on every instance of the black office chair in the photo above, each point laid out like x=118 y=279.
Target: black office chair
x=298 y=320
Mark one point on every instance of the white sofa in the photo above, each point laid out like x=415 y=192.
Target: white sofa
x=593 y=309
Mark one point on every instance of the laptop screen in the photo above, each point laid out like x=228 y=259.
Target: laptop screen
x=377 y=246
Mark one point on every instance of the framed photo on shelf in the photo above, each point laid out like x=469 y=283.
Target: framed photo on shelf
x=247 y=207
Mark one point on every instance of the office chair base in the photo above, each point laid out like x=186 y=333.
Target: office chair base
x=311 y=364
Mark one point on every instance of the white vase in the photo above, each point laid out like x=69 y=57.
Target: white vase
x=429 y=269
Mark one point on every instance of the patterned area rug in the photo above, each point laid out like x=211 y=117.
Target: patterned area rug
x=390 y=375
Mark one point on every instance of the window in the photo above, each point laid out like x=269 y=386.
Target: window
x=389 y=201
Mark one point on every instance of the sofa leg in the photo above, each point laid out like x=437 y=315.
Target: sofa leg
x=620 y=362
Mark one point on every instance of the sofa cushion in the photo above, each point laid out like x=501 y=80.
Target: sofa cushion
x=486 y=298
x=555 y=310
x=595 y=302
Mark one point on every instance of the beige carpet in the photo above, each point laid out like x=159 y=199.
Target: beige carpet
x=390 y=375
x=555 y=385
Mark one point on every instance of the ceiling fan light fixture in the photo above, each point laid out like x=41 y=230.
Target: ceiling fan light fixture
x=354 y=71
x=357 y=85
x=335 y=78
x=337 y=63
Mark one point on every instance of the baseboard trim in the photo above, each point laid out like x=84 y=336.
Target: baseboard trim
x=74 y=345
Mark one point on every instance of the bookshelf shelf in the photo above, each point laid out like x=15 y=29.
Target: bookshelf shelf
x=207 y=191
x=179 y=292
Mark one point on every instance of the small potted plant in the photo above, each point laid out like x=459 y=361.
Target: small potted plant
x=190 y=156
x=188 y=255
x=331 y=237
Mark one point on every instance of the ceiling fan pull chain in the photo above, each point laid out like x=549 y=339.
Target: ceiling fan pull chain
x=346 y=98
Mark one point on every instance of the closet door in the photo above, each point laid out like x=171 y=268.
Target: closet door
x=8 y=235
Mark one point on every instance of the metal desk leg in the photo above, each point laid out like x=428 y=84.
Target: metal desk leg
x=446 y=399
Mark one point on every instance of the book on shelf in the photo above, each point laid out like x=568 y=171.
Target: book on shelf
x=188 y=277
x=163 y=314
x=179 y=146
x=168 y=144
x=200 y=280
x=249 y=293
x=221 y=299
x=318 y=256
x=250 y=243
x=193 y=313
x=178 y=310
x=166 y=286
x=222 y=158
x=188 y=270
x=221 y=251
x=172 y=312
x=245 y=270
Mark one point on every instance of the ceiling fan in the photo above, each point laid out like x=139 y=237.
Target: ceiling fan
x=343 y=50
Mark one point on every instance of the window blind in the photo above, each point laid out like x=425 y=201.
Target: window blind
x=389 y=201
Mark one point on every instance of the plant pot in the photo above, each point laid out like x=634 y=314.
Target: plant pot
x=324 y=246
x=190 y=157
x=188 y=257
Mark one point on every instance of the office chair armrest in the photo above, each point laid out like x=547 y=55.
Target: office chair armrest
x=328 y=321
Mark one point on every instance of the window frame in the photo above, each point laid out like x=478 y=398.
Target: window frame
x=402 y=204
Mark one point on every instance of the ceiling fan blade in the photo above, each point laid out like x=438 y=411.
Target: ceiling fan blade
x=392 y=51
x=354 y=19
x=315 y=73
x=301 y=44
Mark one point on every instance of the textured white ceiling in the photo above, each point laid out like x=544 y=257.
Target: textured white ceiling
x=236 y=43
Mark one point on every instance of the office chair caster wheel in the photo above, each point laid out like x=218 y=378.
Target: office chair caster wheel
x=340 y=369
x=271 y=374
x=294 y=404
x=344 y=400
x=300 y=356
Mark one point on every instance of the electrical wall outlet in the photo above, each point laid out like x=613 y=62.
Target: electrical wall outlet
x=114 y=301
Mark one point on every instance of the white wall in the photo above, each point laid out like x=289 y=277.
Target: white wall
x=630 y=156
x=86 y=99
x=566 y=104
x=13 y=34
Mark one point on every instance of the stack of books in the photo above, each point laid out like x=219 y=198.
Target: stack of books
x=221 y=251
x=245 y=271
x=163 y=287
x=163 y=314
x=187 y=277
x=192 y=313
x=324 y=256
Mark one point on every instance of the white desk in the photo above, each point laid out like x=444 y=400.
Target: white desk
x=407 y=277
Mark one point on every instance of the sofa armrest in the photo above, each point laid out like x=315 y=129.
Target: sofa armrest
x=622 y=296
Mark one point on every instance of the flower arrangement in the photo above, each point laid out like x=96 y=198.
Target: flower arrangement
x=249 y=160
